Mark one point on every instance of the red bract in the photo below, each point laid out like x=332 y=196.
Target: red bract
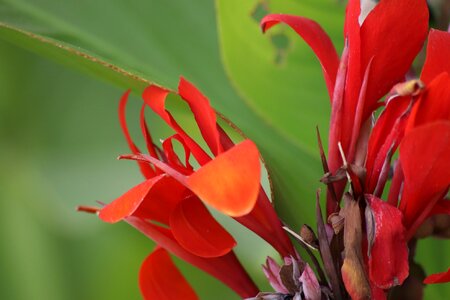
x=169 y=206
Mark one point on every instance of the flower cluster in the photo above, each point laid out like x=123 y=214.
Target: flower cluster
x=367 y=244
x=376 y=61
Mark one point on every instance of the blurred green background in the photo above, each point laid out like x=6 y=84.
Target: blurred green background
x=59 y=134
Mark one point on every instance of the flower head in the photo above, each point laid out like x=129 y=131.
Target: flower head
x=378 y=53
x=170 y=205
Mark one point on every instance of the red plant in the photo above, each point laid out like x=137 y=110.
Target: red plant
x=169 y=206
x=378 y=53
x=367 y=248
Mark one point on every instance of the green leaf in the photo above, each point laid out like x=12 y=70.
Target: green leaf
x=277 y=74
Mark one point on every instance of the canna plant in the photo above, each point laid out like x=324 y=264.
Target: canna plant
x=386 y=173
x=366 y=244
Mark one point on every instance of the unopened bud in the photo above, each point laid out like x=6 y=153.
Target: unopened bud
x=336 y=221
x=309 y=236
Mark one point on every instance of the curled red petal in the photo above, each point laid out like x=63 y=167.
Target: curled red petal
x=197 y=231
x=203 y=113
x=146 y=133
x=388 y=251
x=128 y=203
x=438 y=53
x=172 y=156
x=315 y=37
x=230 y=183
x=438 y=278
x=426 y=169
x=155 y=97
x=146 y=170
x=159 y=278
x=391 y=26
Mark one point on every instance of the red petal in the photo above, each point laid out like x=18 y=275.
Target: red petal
x=155 y=97
x=434 y=103
x=129 y=202
x=159 y=278
x=438 y=278
x=384 y=139
x=172 y=156
x=391 y=26
x=226 y=268
x=438 y=53
x=336 y=128
x=388 y=251
x=426 y=169
x=146 y=133
x=146 y=170
x=353 y=79
x=230 y=183
x=351 y=26
x=162 y=199
x=315 y=37
x=359 y=110
x=203 y=113
x=197 y=231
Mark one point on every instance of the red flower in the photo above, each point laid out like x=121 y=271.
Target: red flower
x=377 y=55
x=415 y=121
x=371 y=64
x=426 y=178
x=169 y=206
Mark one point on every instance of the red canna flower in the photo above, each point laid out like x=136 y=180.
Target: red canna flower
x=426 y=179
x=370 y=65
x=377 y=55
x=169 y=206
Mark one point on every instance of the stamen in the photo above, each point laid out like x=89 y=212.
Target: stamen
x=344 y=160
x=88 y=209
